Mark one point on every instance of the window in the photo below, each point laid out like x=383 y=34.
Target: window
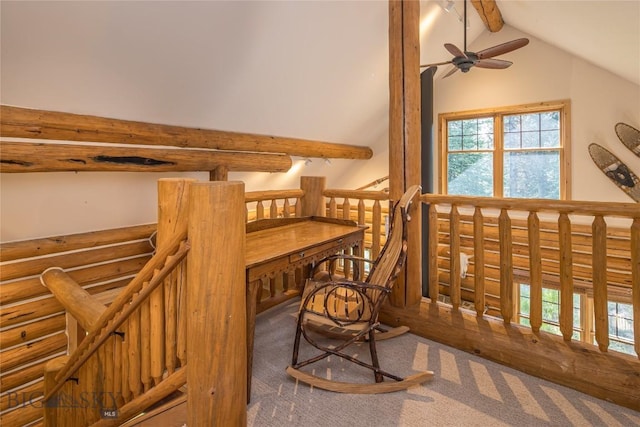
x=550 y=310
x=621 y=327
x=508 y=152
x=620 y=317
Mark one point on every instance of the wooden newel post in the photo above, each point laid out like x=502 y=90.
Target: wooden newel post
x=216 y=306
x=313 y=200
x=51 y=369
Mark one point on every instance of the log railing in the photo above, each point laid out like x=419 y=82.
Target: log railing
x=113 y=363
x=535 y=241
x=136 y=350
x=279 y=204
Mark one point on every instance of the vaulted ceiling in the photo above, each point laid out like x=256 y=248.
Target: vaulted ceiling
x=605 y=33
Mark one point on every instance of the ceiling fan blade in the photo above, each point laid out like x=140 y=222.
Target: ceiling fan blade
x=453 y=49
x=450 y=72
x=493 y=63
x=502 y=48
x=436 y=64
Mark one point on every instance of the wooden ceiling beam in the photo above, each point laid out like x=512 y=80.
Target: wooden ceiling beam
x=38 y=157
x=40 y=124
x=489 y=13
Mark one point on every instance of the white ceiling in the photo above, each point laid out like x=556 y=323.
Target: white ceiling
x=308 y=69
x=605 y=33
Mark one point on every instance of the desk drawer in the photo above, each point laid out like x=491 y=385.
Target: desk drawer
x=324 y=249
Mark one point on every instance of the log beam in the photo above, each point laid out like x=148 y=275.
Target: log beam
x=38 y=157
x=489 y=13
x=40 y=124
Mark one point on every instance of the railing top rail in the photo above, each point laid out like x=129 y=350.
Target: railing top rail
x=625 y=210
x=357 y=194
x=254 y=196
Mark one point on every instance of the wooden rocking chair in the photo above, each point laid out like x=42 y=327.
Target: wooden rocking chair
x=348 y=310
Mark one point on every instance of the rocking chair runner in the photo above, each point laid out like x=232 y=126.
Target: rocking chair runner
x=348 y=310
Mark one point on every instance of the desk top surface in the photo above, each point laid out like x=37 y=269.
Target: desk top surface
x=265 y=244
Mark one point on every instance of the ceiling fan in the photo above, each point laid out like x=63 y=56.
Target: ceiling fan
x=464 y=60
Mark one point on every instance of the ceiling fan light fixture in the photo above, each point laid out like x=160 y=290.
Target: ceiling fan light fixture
x=450 y=5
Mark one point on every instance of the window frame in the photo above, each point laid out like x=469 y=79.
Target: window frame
x=564 y=108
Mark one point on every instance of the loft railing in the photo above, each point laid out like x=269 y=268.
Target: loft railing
x=535 y=241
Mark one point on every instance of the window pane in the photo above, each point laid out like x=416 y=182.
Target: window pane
x=470 y=127
x=530 y=140
x=512 y=140
x=550 y=138
x=470 y=174
x=532 y=174
x=469 y=142
x=530 y=122
x=550 y=120
x=511 y=124
x=485 y=125
x=455 y=143
x=485 y=141
x=454 y=127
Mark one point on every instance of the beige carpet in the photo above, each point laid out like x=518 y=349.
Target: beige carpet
x=465 y=391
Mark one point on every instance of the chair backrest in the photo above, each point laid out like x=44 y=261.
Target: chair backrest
x=389 y=263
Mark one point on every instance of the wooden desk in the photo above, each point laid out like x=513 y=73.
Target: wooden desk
x=276 y=246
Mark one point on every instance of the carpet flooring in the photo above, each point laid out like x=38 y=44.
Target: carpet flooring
x=465 y=390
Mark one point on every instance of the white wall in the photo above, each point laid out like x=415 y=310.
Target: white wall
x=540 y=73
x=314 y=70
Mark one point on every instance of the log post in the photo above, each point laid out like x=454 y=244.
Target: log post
x=51 y=369
x=221 y=173
x=85 y=308
x=313 y=200
x=404 y=136
x=216 y=306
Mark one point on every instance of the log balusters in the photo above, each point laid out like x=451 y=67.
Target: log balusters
x=367 y=210
x=506 y=266
x=279 y=204
x=173 y=208
x=478 y=250
x=599 y=250
x=561 y=244
x=566 y=276
x=535 y=271
x=454 y=257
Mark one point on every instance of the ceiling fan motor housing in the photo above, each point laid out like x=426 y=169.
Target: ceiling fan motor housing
x=464 y=63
